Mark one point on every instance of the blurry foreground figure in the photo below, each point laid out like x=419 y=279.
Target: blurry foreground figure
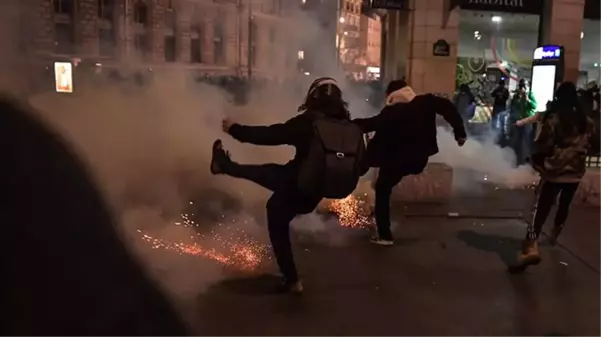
x=559 y=155
x=65 y=270
x=405 y=139
x=327 y=164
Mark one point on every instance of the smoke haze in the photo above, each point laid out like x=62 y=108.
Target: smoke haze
x=150 y=150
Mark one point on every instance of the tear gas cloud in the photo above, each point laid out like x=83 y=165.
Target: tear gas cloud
x=150 y=150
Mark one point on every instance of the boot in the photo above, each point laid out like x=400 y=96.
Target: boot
x=555 y=234
x=220 y=158
x=529 y=255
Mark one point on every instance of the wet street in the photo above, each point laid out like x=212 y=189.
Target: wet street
x=444 y=276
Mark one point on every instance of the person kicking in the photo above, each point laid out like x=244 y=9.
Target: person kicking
x=405 y=138
x=328 y=163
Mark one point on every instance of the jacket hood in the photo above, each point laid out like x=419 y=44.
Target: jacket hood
x=403 y=95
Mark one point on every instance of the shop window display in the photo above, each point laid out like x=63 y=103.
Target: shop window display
x=493 y=47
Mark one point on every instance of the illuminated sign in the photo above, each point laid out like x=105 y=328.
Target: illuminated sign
x=63 y=77
x=390 y=4
x=510 y=6
x=547 y=52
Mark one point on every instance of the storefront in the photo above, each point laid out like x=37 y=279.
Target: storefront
x=497 y=38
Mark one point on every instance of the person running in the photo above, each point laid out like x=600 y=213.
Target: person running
x=405 y=137
x=559 y=155
x=327 y=164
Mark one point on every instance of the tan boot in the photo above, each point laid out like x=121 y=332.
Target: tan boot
x=529 y=255
x=296 y=287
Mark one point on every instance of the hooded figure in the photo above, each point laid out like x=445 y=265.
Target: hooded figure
x=405 y=138
x=287 y=201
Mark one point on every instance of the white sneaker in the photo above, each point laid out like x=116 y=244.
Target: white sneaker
x=296 y=287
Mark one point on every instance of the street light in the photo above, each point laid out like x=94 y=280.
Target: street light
x=342 y=19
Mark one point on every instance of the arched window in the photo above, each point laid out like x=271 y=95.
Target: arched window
x=106 y=9
x=64 y=7
x=219 y=56
x=272 y=45
x=170 y=47
x=253 y=47
x=196 y=43
x=141 y=13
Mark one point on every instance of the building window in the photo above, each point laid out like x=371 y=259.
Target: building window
x=170 y=18
x=63 y=7
x=105 y=9
x=170 y=49
x=106 y=39
x=196 y=44
x=141 y=44
x=253 y=43
x=218 y=43
x=272 y=46
x=65 y=38
x=141 y=13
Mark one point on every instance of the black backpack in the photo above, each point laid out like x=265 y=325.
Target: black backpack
x=335 y=161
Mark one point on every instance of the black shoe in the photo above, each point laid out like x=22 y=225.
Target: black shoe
x=377 y=240
x=220 y=158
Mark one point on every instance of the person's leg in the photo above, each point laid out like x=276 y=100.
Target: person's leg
x=527 y=142
x=519 y=145
x=529 y=218
x=387 y=179
x=504 y=124
x=270 y=176
x=280 y=213
x=568 y=190
x=529 y=254
x=546 y=196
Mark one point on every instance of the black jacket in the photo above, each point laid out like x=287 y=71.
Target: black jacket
x=406 y=128
x=297 y=132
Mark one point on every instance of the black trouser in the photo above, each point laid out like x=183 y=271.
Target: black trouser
x=388 y=178
x=283 y=205
x=547 y=195
x=521 y=140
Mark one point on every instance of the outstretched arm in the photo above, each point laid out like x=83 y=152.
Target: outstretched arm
x=530 y=120
x=370 y=124
x=275 y=134
x=449 y=112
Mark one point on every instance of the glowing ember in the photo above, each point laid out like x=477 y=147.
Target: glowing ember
x=238 y=251
x=351 y=212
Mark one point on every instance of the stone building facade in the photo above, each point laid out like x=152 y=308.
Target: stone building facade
x=371 y=37
x=409 y=37
x=208 y=36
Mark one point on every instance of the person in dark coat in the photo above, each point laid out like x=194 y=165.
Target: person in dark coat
x=405 y=137
x=65 y=269
x=287 y=201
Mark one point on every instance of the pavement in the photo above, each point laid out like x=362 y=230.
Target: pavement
x=444 y=276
